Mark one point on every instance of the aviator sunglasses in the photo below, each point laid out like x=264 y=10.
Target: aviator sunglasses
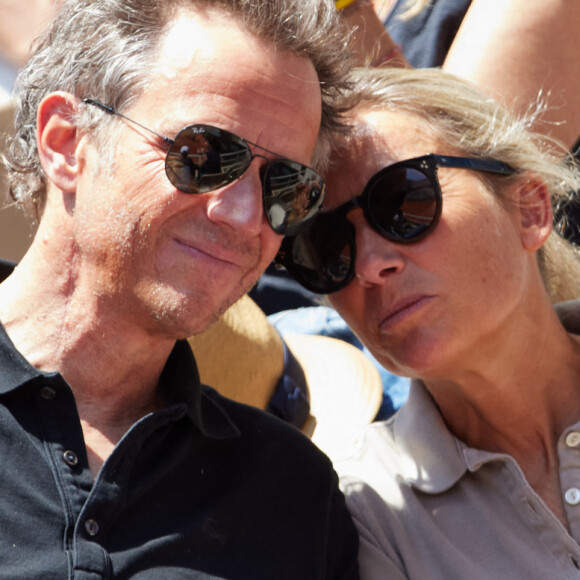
x=402 y=202
x=203 y=158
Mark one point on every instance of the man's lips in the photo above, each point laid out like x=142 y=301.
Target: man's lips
x=403 y=309
x=211 y=251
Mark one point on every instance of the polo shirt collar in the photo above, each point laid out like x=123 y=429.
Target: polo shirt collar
x=181 y=382
x=15 y=370
x=434 y=459
x=179 y=379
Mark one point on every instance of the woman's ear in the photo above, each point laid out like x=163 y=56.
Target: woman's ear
x=58 y=139
x=535 y=210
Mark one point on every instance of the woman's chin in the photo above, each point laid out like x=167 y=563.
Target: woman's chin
x=412 y=358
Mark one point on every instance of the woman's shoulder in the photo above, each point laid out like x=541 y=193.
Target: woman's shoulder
x=373 y=455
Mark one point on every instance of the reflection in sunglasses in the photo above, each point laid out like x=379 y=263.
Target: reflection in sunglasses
x=203 y=158
x=401 y=202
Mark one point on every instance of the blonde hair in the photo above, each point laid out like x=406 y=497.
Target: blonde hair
x=473 y=124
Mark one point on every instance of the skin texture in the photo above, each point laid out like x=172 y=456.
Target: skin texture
x=514 y=49
x=370 y=42
x=124 y=264
x=461 y=308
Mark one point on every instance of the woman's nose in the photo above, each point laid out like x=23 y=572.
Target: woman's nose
x=377 y=258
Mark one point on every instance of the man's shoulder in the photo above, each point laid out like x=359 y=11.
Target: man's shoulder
x=263 y=431
x=274 y=476
x=253 y=422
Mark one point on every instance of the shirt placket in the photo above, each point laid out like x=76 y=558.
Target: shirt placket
x=64 y=444
x=91 y=508
x=569 y=456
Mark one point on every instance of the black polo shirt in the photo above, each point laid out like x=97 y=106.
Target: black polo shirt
x=205 y=488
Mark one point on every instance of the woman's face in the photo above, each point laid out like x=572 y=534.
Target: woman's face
x=424 y=309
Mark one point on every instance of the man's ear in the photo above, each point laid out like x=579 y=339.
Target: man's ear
x=535 y=210
x=58 y=139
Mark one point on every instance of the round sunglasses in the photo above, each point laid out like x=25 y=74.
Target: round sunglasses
x=402 y=202
x=202 y=158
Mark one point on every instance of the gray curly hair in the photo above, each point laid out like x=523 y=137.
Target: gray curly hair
x=473 y=124
x=104 y=48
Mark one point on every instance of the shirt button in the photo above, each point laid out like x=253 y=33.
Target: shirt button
x=47 y=393
x=70 y=458
x=573 y=439
x=572 y=496
x=91 y=527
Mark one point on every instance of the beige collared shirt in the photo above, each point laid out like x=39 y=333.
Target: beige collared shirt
x=430 y=508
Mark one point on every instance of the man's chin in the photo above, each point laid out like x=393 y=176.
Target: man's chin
x=196 y=318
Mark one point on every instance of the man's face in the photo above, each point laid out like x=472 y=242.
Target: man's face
x=170 y=261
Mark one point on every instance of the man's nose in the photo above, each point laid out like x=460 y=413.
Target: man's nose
x=239 y=204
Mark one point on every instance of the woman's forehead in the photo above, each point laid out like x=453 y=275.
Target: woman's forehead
x=377 y=139
x=403 y=134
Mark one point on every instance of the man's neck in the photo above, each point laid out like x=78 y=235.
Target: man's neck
x=112 y=366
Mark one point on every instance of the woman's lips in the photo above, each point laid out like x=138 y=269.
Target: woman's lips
x=402 y=310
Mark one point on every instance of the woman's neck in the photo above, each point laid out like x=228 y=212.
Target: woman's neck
x=518 y=398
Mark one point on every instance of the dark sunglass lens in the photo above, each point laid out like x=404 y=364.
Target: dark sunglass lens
x=204 y=158
x=402 y=203
x=292 y=193
x=321 y=257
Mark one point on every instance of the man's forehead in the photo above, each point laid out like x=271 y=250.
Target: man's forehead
x=209 y=46
x=189 y=25
x=207 y=34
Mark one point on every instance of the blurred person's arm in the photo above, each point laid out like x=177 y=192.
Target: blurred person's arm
x=514 y=48
x=371 y=43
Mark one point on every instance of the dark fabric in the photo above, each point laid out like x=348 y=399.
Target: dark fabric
x=205 y=488
x=568 y=218
x=276 y=290
x=290 y=399
x=6 y=268
x=426 y=38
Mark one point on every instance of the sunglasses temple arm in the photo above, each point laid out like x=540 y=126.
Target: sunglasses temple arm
x=112 y=111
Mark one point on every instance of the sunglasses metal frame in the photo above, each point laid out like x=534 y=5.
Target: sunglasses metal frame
x=427 y=165
x=289 y=225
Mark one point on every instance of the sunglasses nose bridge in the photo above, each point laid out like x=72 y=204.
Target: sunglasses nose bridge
x=349 y=206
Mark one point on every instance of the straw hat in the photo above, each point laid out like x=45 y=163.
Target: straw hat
x=244 y=358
